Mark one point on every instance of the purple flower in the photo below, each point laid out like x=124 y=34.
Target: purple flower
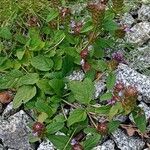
x=118 y=56
x=73 y=142
x=73 y=24
x=111 y=102
x=127 y=29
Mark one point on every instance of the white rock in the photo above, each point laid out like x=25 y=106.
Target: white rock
x=144 y=13
x=130 y=77
x=14 y=131
x=46 y=145
x=140 y=33
x=127 y=143
x=127 y=20
x=108 y=145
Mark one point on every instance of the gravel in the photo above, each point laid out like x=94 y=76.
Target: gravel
x=140 y=33
x=108 y=145
x=125 y=142
x=131 y=77
x=144 y=13
x=14 y=131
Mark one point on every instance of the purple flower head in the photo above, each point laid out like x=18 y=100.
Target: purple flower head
x=111 y=101
x=127 y=29
x=73 y=142
x=72 y=24
x=118 y=56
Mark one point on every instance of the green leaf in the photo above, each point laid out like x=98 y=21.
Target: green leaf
x=106 y=96
x=115 y=109
x=59 y=36
x=140 y=119
x=23 y=95
x=35 y=43
x=110 y=82
x=42 y=117
x=44 y=86
x=76 y=116
x=67 y=65
x=110 y=25
x=42 y=106
x=92 y=141
x=10 y=80
x=88 y=26
x=58 y=63
x=42 y=63
x=5 y=63
x=103 y=109
x=99 y=65
x=113 y=125
x=57 y=85
x=60 y=141
x=83 y=91
x=52 y=15
x=20 y=53
x=5 y=33
x=54 y=127
x=72 y=51
x=29 y=79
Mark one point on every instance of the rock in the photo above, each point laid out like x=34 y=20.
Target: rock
x=139 y=34
x=1 y=147
x=127 y=143
x=108 y=145
x=1 y=108
x=14 y=131
x=46 y=145
x=144 y=13
x=76 y=75
x=146 y=109
x=145 y=1
x=9 y=111
x=139 y=58
x=99 y=87
x=130 y=77
x=121 y=118
x=127 y=20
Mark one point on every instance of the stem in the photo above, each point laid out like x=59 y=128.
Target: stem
x=63 y=112
x=69 y=104
x=69 y=139
x=92 y=120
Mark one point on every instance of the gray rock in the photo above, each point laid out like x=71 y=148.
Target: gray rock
x=9 y=111
x=46 y=145
x=130 y=77
x=139 y=34
x=99 y=87
x=127 y=143
x=127 y=19
x=139 y=59
x=1 y=108
x=76 y=75
x=108 y=145
x=14 y=131
x=146 y=109
x=144 y=13
x=121 y=118
x=1 y=147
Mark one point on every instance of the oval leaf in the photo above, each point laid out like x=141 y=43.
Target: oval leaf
x=77 y=115
x=42 y=63
x=23 y=95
